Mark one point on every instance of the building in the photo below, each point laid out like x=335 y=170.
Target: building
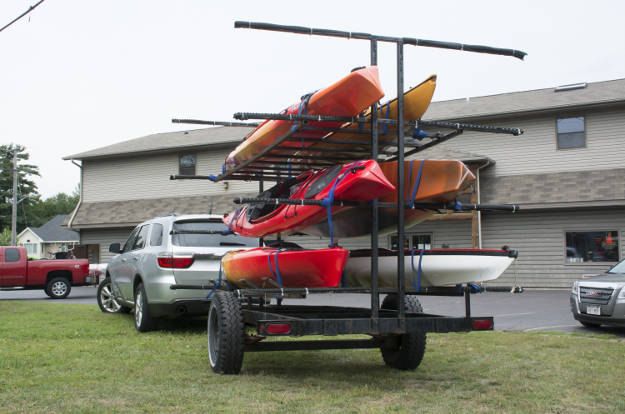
x=42 y=242
x=566 y=172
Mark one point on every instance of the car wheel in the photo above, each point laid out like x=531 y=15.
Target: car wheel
x=106 y=300
x=226 y=336
x=404 y=352
x=144 y=322
x=590 y=324
x=58 y=288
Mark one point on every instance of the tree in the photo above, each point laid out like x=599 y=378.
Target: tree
x=26 y=188
x=41 y=212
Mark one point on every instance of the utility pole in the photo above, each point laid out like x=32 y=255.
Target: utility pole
x=14 y=212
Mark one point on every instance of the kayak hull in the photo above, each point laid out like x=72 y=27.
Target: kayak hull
x=442 y=267
x=359 y=181
x=416 y=102
x=347 y=97
x=441 y=181
x=297 y=268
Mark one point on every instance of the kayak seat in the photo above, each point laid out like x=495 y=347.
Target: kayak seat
x=280 y=190
x=281 y=244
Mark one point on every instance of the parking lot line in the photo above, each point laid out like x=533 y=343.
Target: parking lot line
x=542 y=328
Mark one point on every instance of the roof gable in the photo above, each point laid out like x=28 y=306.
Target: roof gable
x=52 y=231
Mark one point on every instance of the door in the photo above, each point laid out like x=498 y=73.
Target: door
x=119 y=269
x=13 y=267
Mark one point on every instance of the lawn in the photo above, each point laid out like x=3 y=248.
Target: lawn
x=74 y=359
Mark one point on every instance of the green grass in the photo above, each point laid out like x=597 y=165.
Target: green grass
x=74 y=359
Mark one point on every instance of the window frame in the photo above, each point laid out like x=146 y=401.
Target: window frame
x=146 y=238
x=599 y=230
x=6 y=251
x=180 y=167
x=154 y=231
x=557 y=134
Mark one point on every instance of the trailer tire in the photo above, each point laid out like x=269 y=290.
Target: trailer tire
x=226 y=336
x=407 y=353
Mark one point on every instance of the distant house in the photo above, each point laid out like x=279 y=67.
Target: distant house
x=49 y=238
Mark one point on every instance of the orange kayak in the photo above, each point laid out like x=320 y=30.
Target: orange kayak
x=440 y=181
x=285 y=267
x=416 y=102
x=347 y=97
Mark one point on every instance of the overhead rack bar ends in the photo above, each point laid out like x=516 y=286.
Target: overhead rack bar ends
x=367 y=36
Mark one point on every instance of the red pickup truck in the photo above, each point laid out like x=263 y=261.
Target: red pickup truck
x=55 y=277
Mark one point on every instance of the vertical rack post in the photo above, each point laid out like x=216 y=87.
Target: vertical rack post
x=400 y=184
x=261 y=240
x=375 y=295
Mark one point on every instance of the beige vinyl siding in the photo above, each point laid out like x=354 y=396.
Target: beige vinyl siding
x=104 y=237
x=535 y=151
x=147 y=177
x=540 y=239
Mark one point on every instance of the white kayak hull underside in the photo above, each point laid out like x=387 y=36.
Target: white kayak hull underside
x=436 y=270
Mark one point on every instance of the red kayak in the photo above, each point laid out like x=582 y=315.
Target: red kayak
x=358 y=181
x=285 y=267
x=347 y=97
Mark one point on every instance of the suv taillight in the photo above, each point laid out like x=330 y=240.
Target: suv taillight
x=175 y=262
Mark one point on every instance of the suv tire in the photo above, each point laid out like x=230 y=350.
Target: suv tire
x=144 y=322
x=406 y=353
x=106 y=300
x=58 y=287
x=226 y=336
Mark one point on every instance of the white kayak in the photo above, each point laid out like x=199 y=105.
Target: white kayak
x=439 y=267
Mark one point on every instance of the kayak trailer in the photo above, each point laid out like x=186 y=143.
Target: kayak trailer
x=242 y=320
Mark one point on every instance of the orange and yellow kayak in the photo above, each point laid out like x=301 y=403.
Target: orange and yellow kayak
x=416 y=102
x=347 y=97
x=289 y=268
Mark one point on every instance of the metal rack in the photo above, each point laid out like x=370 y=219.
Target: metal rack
x=276 y=162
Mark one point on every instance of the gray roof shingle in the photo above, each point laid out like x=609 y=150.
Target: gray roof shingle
x=595 y=93
x=165 y=141
x=52 y=231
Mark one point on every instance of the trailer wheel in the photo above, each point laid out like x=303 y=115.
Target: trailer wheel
x=407 y=352
x=226 y=336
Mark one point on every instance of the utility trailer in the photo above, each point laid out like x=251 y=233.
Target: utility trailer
x=241 y=320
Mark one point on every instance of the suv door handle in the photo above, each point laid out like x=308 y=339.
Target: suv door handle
x=135 y=258
x=124 y=260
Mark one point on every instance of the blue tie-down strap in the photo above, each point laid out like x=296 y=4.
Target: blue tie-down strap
x=276 y=273
x=361 y=124
x=457 y=205
x=415 y=187
x=212 y=177
x=327 y=201
x=216 y=285
x=416 y=283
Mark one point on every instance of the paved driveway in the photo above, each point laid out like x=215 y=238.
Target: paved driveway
x=532 y=310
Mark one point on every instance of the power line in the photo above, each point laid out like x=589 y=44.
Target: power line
x=22 y=15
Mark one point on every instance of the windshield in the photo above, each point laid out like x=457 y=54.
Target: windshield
x=618 y=268
x=195 y=238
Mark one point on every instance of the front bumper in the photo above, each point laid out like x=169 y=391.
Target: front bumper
x=617 y=318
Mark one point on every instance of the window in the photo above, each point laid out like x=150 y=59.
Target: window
x=413 y=241
x=186 y=164
x=198 y=234
x=31 y=248
x=592 y=246
x=156 y=238
x=141 y=238
x=11 y=255
x=571 y=132
x=131 y=240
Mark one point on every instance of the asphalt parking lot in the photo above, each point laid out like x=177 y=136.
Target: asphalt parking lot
x=531 y=310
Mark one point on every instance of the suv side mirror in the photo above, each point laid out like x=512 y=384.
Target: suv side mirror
x=115 y=248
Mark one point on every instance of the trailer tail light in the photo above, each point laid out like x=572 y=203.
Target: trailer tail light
x=482 y=324
x=175 y=262
x=277 y=328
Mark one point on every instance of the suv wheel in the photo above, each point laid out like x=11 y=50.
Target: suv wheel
x=143 y=320
x=106 y=299
x=58 y=288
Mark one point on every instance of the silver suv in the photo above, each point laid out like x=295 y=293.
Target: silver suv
x=167 y=250
x=600 y=299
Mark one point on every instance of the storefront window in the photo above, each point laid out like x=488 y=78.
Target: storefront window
x=592 y=246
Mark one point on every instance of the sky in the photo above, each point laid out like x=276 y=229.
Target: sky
x=77 y=75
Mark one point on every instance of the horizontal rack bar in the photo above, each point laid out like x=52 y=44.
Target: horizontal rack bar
x=432 y=290
x=367 y=36
x=215 y=123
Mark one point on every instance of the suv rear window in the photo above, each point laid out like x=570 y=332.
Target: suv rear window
x=207 y=240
